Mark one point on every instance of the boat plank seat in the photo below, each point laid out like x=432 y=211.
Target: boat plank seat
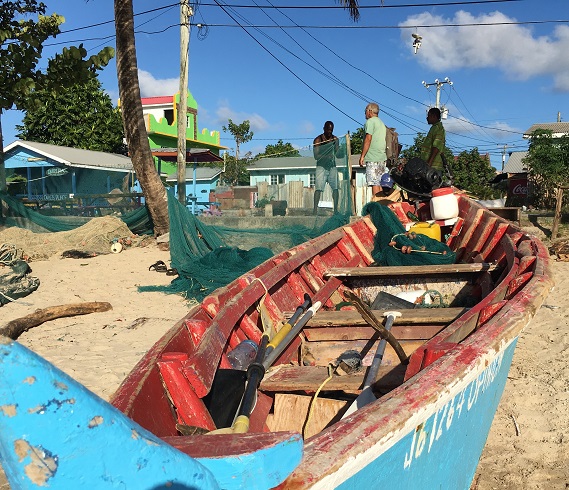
x=417 y=270
x=288 y=378
x=419 y=316
x=400 y=332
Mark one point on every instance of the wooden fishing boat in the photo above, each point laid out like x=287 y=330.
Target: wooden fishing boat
x=436 y=385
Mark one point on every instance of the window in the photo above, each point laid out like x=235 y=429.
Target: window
x=169 y=115
x=277 y=179
x=312 y=182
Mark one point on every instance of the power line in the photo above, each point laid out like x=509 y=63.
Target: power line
x=300 y=7
x=366 y=7
x=289 y=70
x=414 y=26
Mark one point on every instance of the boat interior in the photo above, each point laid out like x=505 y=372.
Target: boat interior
x=187 y=378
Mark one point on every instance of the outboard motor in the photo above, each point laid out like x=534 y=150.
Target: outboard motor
x=417 y=176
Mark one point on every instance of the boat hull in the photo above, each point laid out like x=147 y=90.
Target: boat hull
x=435 y=404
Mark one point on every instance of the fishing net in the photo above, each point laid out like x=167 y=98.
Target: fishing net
x=394 y=246
x=15 y=213
x=94 y=237
x=206 y=257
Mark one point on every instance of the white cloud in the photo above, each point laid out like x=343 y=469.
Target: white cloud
x=307 y=127
x=512 y=48
x=224 y=112
x=152 y=87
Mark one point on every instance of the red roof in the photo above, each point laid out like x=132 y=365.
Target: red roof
x=162 y=99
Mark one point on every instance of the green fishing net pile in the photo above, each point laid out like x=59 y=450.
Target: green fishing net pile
x=391 y=237
x=138 y=220
x=207 y=257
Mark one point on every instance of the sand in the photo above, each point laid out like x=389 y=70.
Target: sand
x=528 y=446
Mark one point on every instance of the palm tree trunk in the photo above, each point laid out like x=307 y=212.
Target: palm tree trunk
x=3 y=185
x=133 y=120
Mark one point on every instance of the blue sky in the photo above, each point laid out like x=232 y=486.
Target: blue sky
x=287 y=81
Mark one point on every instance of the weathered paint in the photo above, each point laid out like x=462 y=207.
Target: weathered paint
x=54 y=433
x=60 y=435
x=443 y=449
x=426 y=433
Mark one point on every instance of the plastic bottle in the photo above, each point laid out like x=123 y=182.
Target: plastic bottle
x=243 y=355
x=444 y=204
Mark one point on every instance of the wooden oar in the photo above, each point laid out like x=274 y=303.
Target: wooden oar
x=288 y=338
x=366 y=396
x=255 y=373
x=256 y=370
x=286 y=328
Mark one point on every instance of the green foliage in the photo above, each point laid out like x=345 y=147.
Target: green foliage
x=241 y=133
x=261 y=203
x=415 y=149
x=357 y=141
x=280 y=149
x=548 y=165
x=80 y=116
x=16 y=184
x=21 y=46
x=236 y=170
x=473 y=172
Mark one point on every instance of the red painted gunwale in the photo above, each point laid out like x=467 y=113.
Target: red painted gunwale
x=467 y=344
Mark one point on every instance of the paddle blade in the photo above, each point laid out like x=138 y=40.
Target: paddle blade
x=363 y=399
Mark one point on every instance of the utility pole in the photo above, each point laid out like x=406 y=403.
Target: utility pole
x=438 y=84
x=185 y=13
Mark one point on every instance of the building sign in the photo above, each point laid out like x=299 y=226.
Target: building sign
x=518 y=187
x=517 y=191
x=56 y=171
x=50 y=197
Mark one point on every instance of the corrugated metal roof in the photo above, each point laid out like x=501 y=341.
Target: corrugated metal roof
x=278 y=163
x=75 y=157
x=289 y=163
x=558 y=128
x=198 y=154
x=202 y=173
x=514 y=164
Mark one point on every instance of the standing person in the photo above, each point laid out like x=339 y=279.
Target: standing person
x=434 y=144
x=373 y=149
x=326 y=148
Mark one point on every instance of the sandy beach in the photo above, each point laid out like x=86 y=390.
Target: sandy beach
x=528 y=446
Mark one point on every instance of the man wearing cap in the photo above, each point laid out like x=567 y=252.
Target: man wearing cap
x=373 y=149
x=326 y=148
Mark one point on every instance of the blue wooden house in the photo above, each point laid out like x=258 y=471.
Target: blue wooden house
x=200 y=183
x=54 y=172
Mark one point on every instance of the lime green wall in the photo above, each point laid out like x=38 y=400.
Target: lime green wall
x=163 y=135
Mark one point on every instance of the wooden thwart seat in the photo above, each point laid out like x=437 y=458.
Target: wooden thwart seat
x=414 y=316
x=309 y=378
x=417 y=270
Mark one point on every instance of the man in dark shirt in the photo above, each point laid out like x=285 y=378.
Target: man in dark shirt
x=434 y=144
x=326 y=147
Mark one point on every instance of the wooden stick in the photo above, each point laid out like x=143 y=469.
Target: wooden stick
x=557 y=217
x=17 y=327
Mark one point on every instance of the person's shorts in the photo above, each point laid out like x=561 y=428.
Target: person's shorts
x=326 y=175
x=374 y=171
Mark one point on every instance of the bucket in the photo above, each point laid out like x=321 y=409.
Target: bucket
x=444 y=204
x=432 y=230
